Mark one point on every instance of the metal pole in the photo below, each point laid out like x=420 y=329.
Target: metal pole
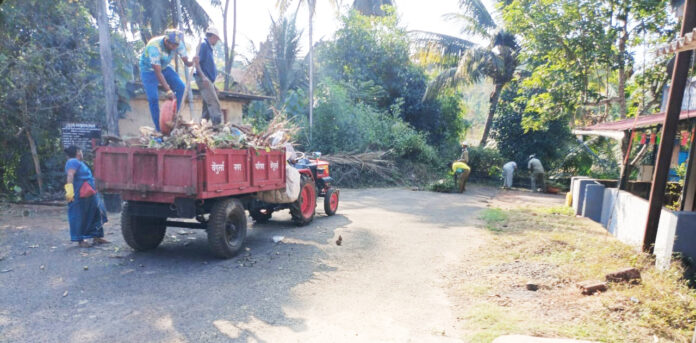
x=669 y=129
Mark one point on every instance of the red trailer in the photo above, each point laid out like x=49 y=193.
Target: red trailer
x=213 y=186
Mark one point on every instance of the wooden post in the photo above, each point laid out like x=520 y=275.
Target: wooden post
x=669 y=129
x=107 y=67
x=625 y=170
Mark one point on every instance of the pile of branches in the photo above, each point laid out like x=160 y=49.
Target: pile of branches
x=354 y=169
x=188 y=135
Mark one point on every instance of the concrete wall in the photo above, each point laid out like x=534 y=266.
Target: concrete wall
x=677 y=235
x=624 y=216
x=139 y=114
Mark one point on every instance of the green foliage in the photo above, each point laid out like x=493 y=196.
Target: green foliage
x=577 y=51
x=445 y=185
x=50 y=74
x=515 y=142
x=370 y=56
x=485 y=162
x=345 y=125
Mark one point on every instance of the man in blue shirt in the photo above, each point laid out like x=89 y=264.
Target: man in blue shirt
x=155 y=69
x=205 y=76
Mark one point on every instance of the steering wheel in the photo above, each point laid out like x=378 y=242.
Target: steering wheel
x=298 y=156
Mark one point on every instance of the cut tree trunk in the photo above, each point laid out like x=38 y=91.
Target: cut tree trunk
x=491 y=112
x=35 y=157
x=107 y=67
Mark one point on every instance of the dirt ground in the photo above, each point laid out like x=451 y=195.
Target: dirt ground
x=390 y=280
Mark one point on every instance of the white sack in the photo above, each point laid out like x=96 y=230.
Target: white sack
x=287 y=195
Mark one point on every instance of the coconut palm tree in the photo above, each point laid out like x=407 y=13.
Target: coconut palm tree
x=283 y=71
x=496 y=60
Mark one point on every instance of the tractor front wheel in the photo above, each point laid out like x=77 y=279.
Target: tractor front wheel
x=331 y=202
x=303 y=209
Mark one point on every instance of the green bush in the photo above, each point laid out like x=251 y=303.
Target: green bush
x=485 y=162
x=342 y=124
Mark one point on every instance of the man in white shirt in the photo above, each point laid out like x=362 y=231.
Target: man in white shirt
x=508 y=172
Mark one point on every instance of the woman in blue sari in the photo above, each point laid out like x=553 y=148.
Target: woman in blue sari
x=87 y=214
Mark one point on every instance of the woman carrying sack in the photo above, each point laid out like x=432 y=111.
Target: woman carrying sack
x=86 y=212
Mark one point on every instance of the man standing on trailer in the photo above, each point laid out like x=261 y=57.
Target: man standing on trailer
x=205 y=76
x=155 y=70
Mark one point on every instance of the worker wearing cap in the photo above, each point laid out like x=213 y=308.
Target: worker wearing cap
x=205 y=76
x=536 y=171
x=155 y=69
x=464 y=157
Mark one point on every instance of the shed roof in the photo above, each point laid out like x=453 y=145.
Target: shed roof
x=136 y=90
x=640 y=122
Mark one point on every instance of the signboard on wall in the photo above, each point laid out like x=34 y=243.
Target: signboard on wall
x=80 y=135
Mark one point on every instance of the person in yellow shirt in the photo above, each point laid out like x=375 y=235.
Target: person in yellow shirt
x=461 y=172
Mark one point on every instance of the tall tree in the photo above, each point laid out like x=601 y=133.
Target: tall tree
x=107 y=67
x=229 y=48
x=283 y=71
x=579 y=52
x=497 y=60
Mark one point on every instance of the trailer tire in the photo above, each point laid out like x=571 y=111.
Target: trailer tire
x=261 y=215
x=227 y=227
x=304 y=208
x=141 y=233
x=331 y=202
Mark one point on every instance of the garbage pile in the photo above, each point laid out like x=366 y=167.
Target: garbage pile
x=188 y=135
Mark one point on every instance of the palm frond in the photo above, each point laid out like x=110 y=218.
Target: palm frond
x=445 y=79
x=444 y=44
x=477 y=17
x=473 y=66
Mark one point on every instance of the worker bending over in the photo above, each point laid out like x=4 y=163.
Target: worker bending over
x=536 y=174
x=461 y=172
x=155 y=70
x=508 y=172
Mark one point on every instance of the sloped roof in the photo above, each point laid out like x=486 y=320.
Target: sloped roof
x=639 y=122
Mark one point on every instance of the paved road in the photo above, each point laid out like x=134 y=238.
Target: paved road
x=386 y=282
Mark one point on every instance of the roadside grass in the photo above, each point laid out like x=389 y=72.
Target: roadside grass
x=493 y=217
x=555 y=250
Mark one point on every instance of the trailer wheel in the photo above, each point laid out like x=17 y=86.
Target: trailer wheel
x=261 y=215
x=331 y=201
x=227 y=227
x=141 y=233
x=303 y=209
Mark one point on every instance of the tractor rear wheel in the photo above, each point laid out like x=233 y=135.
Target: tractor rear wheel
x=331 y=202
x=303 y=209
x=141 y=233
x=227 y=227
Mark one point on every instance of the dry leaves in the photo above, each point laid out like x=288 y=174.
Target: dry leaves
x=189 y=135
